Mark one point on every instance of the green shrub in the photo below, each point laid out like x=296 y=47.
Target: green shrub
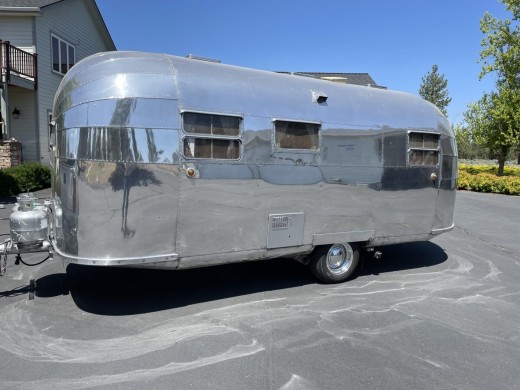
x=8 y=185
x=29 y=176
x=492 y=169
x=488 y=182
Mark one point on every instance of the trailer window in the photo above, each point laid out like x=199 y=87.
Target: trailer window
x=423 y=148
x=296 y=135
x=213 y=136
x=210 y=124
x=212 y=148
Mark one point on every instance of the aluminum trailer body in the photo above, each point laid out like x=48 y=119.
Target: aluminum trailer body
x=169 y=162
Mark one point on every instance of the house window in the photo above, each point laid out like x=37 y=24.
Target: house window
x=296 y=135
x=212 y=136
x=63 y=55
x=423 y=148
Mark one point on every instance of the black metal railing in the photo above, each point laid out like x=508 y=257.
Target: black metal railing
x=18 y=62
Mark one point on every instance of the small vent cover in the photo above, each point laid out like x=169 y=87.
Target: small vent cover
x=285 y=230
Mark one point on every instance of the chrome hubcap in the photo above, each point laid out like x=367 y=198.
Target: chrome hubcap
x=339 y=258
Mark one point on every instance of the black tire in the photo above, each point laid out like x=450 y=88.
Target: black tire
x=334 y=263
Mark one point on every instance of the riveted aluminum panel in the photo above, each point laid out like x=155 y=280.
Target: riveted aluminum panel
x=121 y=169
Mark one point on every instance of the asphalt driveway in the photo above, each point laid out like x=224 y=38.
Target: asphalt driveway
x=436 y=315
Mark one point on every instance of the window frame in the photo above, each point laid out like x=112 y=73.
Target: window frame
x=68 y=46
x=297 y=150
x=410 y=148
x=211 y=136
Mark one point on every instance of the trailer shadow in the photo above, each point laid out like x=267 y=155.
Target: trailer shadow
x=400 y=257
x=134 y=291
x=121 y=291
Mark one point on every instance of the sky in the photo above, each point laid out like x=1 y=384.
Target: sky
x=395 y=41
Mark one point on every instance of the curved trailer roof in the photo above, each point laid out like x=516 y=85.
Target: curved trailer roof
x=213 y=87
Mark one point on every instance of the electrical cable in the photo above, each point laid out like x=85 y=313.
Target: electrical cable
x=31 y=265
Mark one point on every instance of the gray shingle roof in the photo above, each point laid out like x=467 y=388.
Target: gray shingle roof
x=20 y=6
x=27 y=3
x=347 y=78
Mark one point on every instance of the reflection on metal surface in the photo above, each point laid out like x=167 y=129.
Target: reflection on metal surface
x=123 y=178
x=131 y=145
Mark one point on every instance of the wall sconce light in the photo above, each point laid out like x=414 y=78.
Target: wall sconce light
x=16 y=113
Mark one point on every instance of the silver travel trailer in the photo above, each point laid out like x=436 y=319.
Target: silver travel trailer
x=169 y=162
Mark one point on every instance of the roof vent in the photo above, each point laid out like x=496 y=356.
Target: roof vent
x=191 y=56
x=319 y=97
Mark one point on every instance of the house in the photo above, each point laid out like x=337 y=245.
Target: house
x=363 y=79
x=343 y=78
x=40 y=40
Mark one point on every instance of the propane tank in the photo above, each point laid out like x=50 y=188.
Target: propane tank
x=28 y=222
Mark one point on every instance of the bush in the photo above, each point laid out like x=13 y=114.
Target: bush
x=492 y=169
x=488 y=182
x=29 y=176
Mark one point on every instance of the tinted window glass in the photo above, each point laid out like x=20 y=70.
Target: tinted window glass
x=423 y=148
x=296 y=135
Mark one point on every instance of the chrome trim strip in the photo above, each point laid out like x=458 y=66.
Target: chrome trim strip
x=312 y=122
x=443 y=230
x=116 y=260
x=183 y=110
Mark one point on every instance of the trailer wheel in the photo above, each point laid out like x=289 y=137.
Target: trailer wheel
x=334 y=263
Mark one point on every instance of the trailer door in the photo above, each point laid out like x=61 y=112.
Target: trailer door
x=424 y=158
x=216 y=211
x=410 y=183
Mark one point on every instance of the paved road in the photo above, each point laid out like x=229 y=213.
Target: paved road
x=438 y=315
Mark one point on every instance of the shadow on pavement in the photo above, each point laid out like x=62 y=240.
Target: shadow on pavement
x=399 y=257
x=125 y=291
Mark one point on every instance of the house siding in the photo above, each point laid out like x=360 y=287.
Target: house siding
x=18 y=30
x=72 y=21
x=24 y=126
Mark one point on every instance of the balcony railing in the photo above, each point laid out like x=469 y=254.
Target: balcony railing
x=14 y=61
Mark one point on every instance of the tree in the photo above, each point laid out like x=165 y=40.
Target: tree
x=467 y=147
x=499 y=111
x=501 y=46
x=434 y=88
x=494 y=121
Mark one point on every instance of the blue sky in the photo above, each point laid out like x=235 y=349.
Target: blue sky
x=396 y=41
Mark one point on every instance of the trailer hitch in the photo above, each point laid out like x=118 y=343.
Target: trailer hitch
x=8 y=247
